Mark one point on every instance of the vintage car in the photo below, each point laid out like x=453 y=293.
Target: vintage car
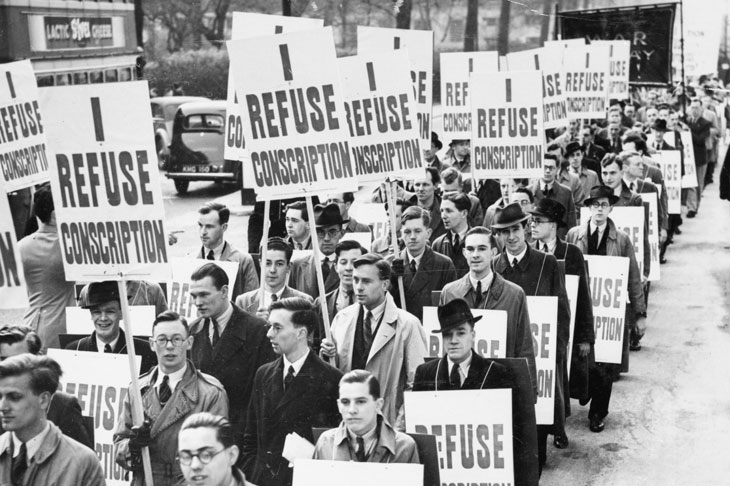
x=163 y=112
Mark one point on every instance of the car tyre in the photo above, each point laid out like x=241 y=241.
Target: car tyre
x=181 y=186
x=162 y=157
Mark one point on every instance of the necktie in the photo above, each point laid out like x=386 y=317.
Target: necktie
x=289 y=377
x=164 y=392
x=545 y=248
x=593 y=241
x=274 y=298
x=413 y=266
x=19 y=465
x=546 y=190
x=360 y=452
x=210 y=256
x=514 y=262
x=325 y=268
x=455 y=377
x=456 y=241
x=367 y=331
x=632 y=186
x=216 y=332
x=350 y=298
x=479 y=293
x=107 y=348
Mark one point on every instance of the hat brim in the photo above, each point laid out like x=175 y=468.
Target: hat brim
x=509 y=223
x=559 y=222
x=612 y=199
x=456 y=324
x=331 y=223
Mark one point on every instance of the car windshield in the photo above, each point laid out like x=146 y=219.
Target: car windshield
x=203 y=122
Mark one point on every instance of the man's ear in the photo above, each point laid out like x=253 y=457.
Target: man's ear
x=224 y=227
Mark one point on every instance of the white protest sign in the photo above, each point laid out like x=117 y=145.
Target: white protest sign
x=618 y=75
x=373 y=215
x=23 y=155
x=336 y=473
x=78 y=320
x=246 y=25
x=550 y=63
x=105 y=182
x=571 y=288
x=586 y=80
x=381 y=116
x=178 y=289
x=13 y=291
x=630 y=220
x=365 y=239
x=654 y=247
x=490 y=333
x=456 y=70
x=670 y=163
x=609 y=283
x=100 y=382
x=690 y=170
x=419 y=45
x=473 y=430
x=293 y=114
x=507 y=136
x=544 y=326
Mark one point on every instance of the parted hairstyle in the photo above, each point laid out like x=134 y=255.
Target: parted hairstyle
x=15 y=334
x=450 y=175
x=416 y=212
x=481 y=230
x=223 y=429
x=434 y=174
x=171 y=316
x=525 y=190
x=460 y=200
x=302 y=312
x=348 y=245
x=277 y=243
x=551 y=157
x=638 y=142
x=224 y=214
x=363 y=376
x=44 y=371
x=384 y=269
x=609 y=159
x=214 y=272
x=43 y=204
x=299 y=206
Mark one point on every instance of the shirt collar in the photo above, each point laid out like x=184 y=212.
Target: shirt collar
x=464 y=365
x=601 y=228
x=550 y=244
x=173 y=378
x=100 y=344
x=415 y=259
x=519 y=256
x=618 y=189
x=32 y=446
x=378 y=311
x=302 y=246
x=217 y=251
x=222 y=320
x=297 y=364
x=486 y=281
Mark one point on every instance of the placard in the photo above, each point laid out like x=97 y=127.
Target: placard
x=373 y=215
x=586 y=80
x=473 y=429
x=669 y=162
x=245 y=25
x=178 y=288
x=365 y=239
x=544 y=326
x=100 y=382
x=507 y=137
x=490 y=333
x=78 y=320
x=381 y=116
x=550 y=63
x=630 y=220
x=13 y=290
x=456 y=71
x=688 y=161
x=650 y=199
x=105 y=182
x=23 y=153
x=618 y=74
x=419 y=46
x=336 y=473
x=609 y=278
x=571 y=288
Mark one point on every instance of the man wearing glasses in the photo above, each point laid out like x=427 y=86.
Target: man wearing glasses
x=549 y=187
x=171 y=391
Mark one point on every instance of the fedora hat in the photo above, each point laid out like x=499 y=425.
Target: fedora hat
x=550 y=209
x=328 y=215
x=571 y=148
x=435 y=141
x=659 y=125
x=598 y=192
x=101 y=292
x=453 y=314
x=509 y=215
x=457 y=141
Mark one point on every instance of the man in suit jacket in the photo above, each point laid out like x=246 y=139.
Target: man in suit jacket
x=463 y=369
x=228 y=343
x=588 y=178
x=453 y=183
x=427 y=198
x=455 y=215
x=700 y=128
x=592 y=153
x=344 y=201
x=377 y=336
x=330 y=229
x=106 y=313
x=549 y=187
x=275 y=273
x=296 y=392
x=212 y=225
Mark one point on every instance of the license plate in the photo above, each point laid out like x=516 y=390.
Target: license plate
x=188 y=168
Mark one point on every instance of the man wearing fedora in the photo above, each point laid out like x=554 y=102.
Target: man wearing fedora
x=537 y=273
x=459 y=155
x=658 y=129
x=461 y=368
x=483 y=289
x=588 y=178
x=431 y=155
x=549 y=187
x=102 y=300
x=330 y=229
x=546 y=218
x=599 y=236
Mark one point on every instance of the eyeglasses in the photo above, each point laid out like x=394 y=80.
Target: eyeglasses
x=331 y=233
x=597 y=205
x=186 y=458
x=524 y=202
x=176 y=341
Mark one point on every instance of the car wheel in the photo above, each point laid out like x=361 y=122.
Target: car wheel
x=181 y=186
x=162 y=157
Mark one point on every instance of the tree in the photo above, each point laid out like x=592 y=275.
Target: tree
x=403 y=13
x=471 y=29
x=503 y=35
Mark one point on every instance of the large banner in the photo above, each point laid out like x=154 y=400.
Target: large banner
x=178 y=289
x=336 y=473
x=586 y=77
x=456 y=71
x=246 y=25
x=419 y=45
x=105 y=182
x=688 y=161
x=490 y=333
x=618 y=75
x=544 y=326
x=609 y=292
x=293 y=114
x=13 y=291
x=381 y=116
x=670 y=163
x=100 y=382
x=655 y=249
x=473 y=429
x=630 y=220
x=550 y=63
x=78 y=320
x=649 y=28
x=703 y=34
x=23 y=156
x=507 y=136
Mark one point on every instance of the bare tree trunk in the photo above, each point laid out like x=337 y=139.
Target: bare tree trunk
x=403 y=17
x=471 y=30
x=503 y=35
x=286 y=8
x=545 y=24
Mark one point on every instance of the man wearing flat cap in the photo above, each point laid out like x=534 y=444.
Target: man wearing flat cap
x=577 y=166
x=461 y=368
x=330 y=229
x=102 y=300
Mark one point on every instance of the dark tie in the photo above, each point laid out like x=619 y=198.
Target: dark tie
x=325 y=268
x=360 y=452
x=164 y=391
x=274 y=298
x=632 y=186
x=456 y=241
x=593 y=242
x=19 y=465
x=107 y=348
x=546 y=190
x=350 y=298
x=479 y=293
x=216 y=332
x=210 y=256
x=455 y=377
x=514 y=262
x=413 y=266
x=289 y=377
x=367 y=331
x=546 y=250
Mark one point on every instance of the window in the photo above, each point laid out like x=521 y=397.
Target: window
x=81 y=78
x=203 y=122
x=63 y=79
x=125 y=74
x=110 y=75
x=157 y=111
x=96 y=77
x=46 y=80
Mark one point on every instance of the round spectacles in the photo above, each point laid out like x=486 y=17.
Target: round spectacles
x=597 y=205
x=186 y=458
x=176 y=341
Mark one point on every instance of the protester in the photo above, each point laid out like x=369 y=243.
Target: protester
x=459 y=155
x=565 y=177
x=33 y=451
x=171 y=391
x=701 y=132
x=452 y=182
x=507 y=186
x=139 y=292
x=106 y=313
x=592 y=153
x=427 y=198
x=297 y=226
x=549 y=187
x=431 y=155
x=344 y=201
x=587 y=177
x=296 y=392
x=454 y=214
